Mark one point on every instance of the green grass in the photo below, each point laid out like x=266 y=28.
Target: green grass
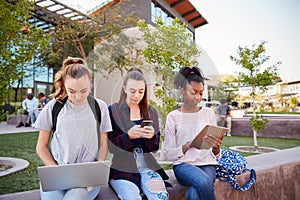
x=286 y=113
x=22 y=145
x=278 y=143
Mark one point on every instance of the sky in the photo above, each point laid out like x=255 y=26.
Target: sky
x=234 y=23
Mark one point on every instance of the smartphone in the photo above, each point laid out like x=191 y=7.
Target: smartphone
x=146 y=123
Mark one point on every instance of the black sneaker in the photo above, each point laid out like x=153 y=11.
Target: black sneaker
x=27 y=125
x=20 y=124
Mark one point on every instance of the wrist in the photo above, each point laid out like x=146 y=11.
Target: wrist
x=216 y=151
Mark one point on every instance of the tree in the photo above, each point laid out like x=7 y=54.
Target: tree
x=119 y=52
x=19 y=41
x=79 y=37
x=230 y=86
x=168 y=48
x=218 y=93
x=293 y=103
x=257 y=76
x=114 y=49
x=70 y=38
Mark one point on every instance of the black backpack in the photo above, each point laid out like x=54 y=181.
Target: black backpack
x=93 y=105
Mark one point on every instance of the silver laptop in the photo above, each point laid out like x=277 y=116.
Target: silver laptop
x=61 y=177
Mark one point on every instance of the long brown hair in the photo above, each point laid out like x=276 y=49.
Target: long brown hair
x=137 y=74
x=73 y=67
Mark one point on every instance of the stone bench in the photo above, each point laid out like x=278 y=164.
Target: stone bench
x=12 y=119
x=107 y=193
x=277 y=174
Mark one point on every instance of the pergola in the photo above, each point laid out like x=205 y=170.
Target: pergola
x=47 y=12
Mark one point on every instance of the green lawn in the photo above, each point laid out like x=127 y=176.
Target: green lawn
x=22 y=145
x=277 y=113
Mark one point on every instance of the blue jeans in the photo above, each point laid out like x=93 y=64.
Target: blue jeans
x=33 y=114
x=71 y=194
x=151 y=183
x=200 y=179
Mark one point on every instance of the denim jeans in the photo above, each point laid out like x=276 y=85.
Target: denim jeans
x=151 y=183
x=200 y=179
x=33 y=114
x=71 y=194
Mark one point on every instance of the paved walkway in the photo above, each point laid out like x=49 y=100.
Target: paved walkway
x=8 y=129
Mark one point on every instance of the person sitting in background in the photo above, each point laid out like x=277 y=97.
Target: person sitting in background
x=29 y=106
x=43 y=101
x=223 y=113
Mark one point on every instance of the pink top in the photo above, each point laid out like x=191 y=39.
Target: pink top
x=183 y=127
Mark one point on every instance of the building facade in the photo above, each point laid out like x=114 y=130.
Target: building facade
x=150 y=10
x=276 y=96
x=39 y=78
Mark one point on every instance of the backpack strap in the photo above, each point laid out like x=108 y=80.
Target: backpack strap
x=235 y=184
x=97 y=114
x=56 y=109
x=95 y=108
x=93 y=105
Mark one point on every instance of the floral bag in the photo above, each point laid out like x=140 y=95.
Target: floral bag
x=231 y=164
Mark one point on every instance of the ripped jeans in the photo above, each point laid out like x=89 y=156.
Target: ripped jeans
x=151 y=182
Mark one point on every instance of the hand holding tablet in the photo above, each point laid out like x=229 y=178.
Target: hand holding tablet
x=208 y=136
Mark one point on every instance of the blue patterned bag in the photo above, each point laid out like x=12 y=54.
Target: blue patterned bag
x=231 y=164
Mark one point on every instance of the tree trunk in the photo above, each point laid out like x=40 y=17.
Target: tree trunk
x=16 y=89
x=255 y=139
x=254 y=114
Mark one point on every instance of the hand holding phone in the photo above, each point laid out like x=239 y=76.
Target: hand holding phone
x=146 y=123
x=147 y=129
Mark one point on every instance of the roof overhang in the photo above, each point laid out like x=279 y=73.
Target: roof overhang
x=186 y=9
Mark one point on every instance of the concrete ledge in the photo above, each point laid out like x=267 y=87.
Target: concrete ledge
x=12 y=119
x=277 y=127
x=277 y=173
x=9 y=128
x=277 y=177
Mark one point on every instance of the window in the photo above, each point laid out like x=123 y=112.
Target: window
x=157 y=12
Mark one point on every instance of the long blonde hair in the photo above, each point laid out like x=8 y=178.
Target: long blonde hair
x=73 y=67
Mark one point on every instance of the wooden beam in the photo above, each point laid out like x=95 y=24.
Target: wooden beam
x=200 y=24
x=188 y=12
x=176 y=3
x=195 y=18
